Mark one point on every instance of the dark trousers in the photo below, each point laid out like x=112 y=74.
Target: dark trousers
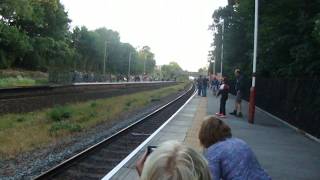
x=223 y=106
x=199 y=90
x=204 y=91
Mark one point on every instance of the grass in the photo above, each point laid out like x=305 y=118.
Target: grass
x=20 y=81
x=27 y=131
x=15 y=78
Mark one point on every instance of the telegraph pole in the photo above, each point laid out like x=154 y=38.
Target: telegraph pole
x=144 y=64
x=129 y=65
x=221 y=68
x=214 y=67
x=104 y=59
x=254 y=64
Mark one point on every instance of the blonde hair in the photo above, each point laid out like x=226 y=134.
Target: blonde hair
x=174 y=161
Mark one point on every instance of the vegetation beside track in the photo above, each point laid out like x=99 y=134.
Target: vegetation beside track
x=27 y=131
x=14 y=78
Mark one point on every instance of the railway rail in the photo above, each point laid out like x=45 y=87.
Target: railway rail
x=17 y=100
x=96 y=161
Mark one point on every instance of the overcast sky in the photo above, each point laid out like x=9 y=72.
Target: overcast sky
x=176 y=30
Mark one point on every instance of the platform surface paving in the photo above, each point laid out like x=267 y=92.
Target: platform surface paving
x=283 y=152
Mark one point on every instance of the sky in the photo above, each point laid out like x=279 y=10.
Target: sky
x=175 y=30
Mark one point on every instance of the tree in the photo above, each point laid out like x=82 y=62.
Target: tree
x=34 y=34
x=288 y=43
x=145 y=60
x=171 y=71
x=203 y=70
x=14 y=44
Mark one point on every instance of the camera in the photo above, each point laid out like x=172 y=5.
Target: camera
x=150 y=149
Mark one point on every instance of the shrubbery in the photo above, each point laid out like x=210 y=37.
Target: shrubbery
x=60 y=113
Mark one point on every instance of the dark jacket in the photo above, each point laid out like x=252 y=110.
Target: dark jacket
x=239 y=84
x=224 y=91
x=199 y=82
x=205 y=82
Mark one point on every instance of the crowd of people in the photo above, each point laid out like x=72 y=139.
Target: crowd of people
x=224 y=157
x=220 y=86
x=89 y=77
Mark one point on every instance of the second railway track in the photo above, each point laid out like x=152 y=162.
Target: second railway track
x=18 y=100
x=96 y=161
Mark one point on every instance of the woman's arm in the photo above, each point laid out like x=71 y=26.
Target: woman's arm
x=215 y=169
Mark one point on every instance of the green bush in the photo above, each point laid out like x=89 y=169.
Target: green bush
x=93 y=104
x=60 y=113
x=128 y=103
x=21 y=119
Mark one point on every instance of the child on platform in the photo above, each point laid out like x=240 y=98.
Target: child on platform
x=223 y=91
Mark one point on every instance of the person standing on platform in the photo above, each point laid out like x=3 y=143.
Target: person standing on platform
x=215 y=85
x=199 y=85
x=205 y=83
x=223 y=91
x=239 y=90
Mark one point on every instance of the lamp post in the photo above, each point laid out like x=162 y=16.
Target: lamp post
x=130 y=54
x=253 y=85
x=212 y=61
x=144 y=64
x=213 y=67
x=104 y=59
x=221 y=64
x=160 y=72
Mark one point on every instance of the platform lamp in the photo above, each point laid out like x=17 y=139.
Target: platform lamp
x=213 y=67
x=104 y=59
x=254 y=64
x=211 y=61
x=129 y=65
x=222 y=38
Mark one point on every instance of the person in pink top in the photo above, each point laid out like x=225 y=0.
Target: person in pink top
x=223 y=91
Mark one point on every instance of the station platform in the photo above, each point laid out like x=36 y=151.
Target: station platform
x=282 y=151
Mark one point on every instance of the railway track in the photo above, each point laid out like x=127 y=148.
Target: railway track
x=17 y=100
x=96 y=161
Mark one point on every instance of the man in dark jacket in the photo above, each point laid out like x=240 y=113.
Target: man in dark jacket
x=205 y=83
x=239 y=92
x=199 y=85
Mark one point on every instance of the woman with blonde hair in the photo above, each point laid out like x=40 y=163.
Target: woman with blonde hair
x=173 y=161
x=229 y=158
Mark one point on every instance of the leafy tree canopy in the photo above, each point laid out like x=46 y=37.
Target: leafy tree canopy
x=288 y=36
x=34 y=34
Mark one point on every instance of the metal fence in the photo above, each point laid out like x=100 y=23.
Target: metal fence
x=297 y=101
